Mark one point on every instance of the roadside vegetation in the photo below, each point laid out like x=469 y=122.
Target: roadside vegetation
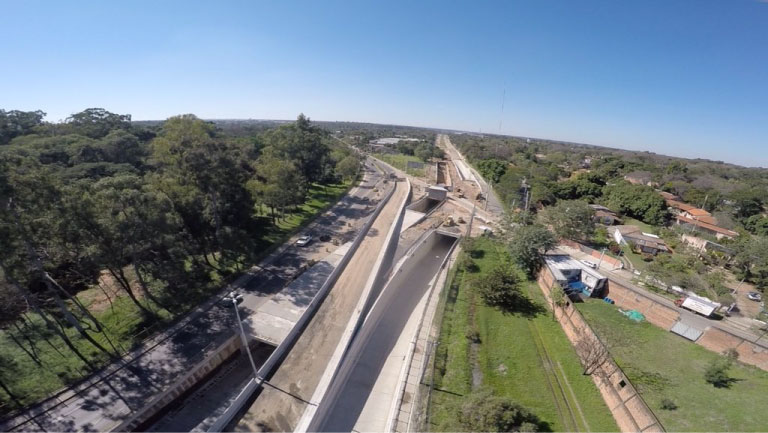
x=111 y=230
x=538 y=176
x=499 y=343
x=688 y=387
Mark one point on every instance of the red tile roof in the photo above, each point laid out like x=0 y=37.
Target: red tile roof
x=698 y=212
x=679 y=205
x=707 y=226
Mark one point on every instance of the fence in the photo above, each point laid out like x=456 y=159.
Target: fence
x=628 y=408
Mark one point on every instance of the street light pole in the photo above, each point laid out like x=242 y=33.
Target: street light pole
x=245 y=340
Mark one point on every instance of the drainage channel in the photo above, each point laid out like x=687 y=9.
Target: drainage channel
x=368 y=378
x=201 y=405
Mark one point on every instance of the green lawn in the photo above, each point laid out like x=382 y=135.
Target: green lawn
x=526 y=359
x=647 y=228
x=663 y=365
x=124 y=325
x=400 y=161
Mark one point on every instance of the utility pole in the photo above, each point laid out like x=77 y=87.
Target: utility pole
x=601 y=259
x=245 y=340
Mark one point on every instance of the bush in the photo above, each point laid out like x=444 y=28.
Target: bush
x=483 y=411
x=668 y=404
x=717 y=373
x=466 y=264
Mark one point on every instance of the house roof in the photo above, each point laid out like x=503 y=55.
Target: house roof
x=679 y=205
x=636 y=235
x=707 y=226
x=668 y=195
x=698 y=212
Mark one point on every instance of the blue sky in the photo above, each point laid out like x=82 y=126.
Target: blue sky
x=685 y=78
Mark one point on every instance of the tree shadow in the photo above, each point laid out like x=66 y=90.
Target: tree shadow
x=522 y=306
x=477 y=254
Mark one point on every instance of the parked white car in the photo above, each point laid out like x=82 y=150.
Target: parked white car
x=755 y=296
x=304 y=241
x=589 y=264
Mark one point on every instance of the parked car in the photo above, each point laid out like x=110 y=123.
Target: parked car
x=589 y=264
x=304 y=241
x=755 y=296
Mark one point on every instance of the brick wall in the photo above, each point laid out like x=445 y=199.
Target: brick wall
x=616 y=263
x=628 y=408
x=658 y=314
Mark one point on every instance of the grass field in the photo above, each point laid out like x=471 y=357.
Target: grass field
x=400 y=161
x=663 y=365
x=124 y=324
x=526 y=359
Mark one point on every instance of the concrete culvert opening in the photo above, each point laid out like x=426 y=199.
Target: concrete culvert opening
x=424 y=205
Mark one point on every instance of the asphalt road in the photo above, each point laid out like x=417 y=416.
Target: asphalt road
x=103 y=402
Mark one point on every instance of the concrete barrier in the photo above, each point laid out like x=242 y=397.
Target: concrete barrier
x=428 y=310
x=367 y=298
x=628 y=408
x=267 y=369
x=380 y=309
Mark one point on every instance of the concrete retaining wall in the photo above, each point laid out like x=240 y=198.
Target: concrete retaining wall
x=195 y=374
x=268 y=368
x=628 y=408
x=371 y=291
x=379 y=310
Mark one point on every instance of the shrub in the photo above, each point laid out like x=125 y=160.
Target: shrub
x=668 y=404
x=484 y=411
x=717 y=373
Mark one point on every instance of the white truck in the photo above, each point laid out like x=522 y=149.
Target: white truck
x=698 y=304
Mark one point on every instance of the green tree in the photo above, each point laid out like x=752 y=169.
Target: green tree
x=751 y=258
x=492 y=169
x=716 y=373
x=500 y=287
x=15 y=123
x=748 y=202
x=348 y=167
x=303 y=144
x=637 y=201
x=528 y=244
x=482 y=411
x=570 y=219
x=278 y=183
x=97 y=122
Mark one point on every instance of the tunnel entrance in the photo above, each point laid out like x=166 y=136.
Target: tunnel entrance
x=424 y=205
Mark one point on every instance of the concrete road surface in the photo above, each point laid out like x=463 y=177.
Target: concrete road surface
x=360 y=405
x=280 y=404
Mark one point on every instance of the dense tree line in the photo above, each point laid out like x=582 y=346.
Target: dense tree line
x=164 y=211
